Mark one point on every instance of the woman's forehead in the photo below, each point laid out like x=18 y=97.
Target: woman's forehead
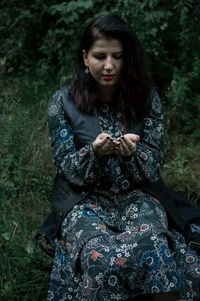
x=103 y=44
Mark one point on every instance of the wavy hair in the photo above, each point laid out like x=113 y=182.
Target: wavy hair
x=134 y=87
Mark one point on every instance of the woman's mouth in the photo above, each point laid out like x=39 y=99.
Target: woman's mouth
x=108 y=77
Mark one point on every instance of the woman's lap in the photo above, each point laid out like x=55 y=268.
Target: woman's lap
x=122 y=259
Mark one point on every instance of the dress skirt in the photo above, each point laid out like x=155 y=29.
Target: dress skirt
x=118 y=248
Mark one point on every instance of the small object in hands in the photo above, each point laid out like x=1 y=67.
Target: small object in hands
x=133 y=146
x=87 y=70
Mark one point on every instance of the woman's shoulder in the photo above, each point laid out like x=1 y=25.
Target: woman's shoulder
x=62 y=102
x=63 y=91
x=56 y=104
x=61 y=97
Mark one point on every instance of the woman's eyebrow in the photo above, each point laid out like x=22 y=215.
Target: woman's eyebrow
x=103 y=52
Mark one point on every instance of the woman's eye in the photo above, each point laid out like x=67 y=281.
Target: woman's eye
x=118 y=56
x=99 y=57
x=103 y=57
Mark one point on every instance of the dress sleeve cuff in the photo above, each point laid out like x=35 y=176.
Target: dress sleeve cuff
x=101 y=162
x=125 y=159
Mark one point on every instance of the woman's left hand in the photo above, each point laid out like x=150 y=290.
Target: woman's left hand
x=127 y=145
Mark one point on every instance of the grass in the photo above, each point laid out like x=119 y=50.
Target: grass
x=26 y=180
x=182 y=168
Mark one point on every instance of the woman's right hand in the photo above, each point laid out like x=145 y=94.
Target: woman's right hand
x=103 y=145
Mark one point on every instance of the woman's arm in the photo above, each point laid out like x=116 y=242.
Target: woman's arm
x=79 y=167
x=147 y=161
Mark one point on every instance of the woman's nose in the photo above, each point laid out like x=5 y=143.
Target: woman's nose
x=108 y=64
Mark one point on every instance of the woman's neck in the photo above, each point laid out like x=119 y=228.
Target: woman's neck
x=106 y=94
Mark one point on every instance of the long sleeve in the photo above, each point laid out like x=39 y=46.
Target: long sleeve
x=147 y=162
x=79 y=167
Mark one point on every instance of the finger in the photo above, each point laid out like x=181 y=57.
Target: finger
x=120 y=150
x=103 y=135
x=130 y=145
x=132 y=137
x=127 y=147
x=103 y=141
x=124 y=147
x=107 y=147
x=99 y=143
x=101 y=138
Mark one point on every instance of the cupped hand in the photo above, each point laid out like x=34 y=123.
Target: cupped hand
x=103 y=145
x=127 y=144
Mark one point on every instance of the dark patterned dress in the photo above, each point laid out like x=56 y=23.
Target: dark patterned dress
x=115 y=243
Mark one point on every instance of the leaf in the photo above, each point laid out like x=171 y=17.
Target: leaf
x=29 y=248
x=6 y=236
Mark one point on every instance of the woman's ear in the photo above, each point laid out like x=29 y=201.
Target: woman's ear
x=85 y=57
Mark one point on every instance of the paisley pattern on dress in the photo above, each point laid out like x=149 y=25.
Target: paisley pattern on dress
x=115 y=242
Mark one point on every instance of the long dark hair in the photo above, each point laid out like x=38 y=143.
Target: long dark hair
x=134 y=87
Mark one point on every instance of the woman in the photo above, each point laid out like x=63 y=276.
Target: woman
x=113 y=237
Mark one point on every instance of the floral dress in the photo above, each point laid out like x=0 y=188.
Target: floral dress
x=115 y=242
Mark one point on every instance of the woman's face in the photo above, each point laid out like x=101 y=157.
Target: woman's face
x=104 y=60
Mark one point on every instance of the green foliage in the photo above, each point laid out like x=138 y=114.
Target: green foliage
x=182 y=104
x=21 y=134
x=25 y=182
x=181 y=170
